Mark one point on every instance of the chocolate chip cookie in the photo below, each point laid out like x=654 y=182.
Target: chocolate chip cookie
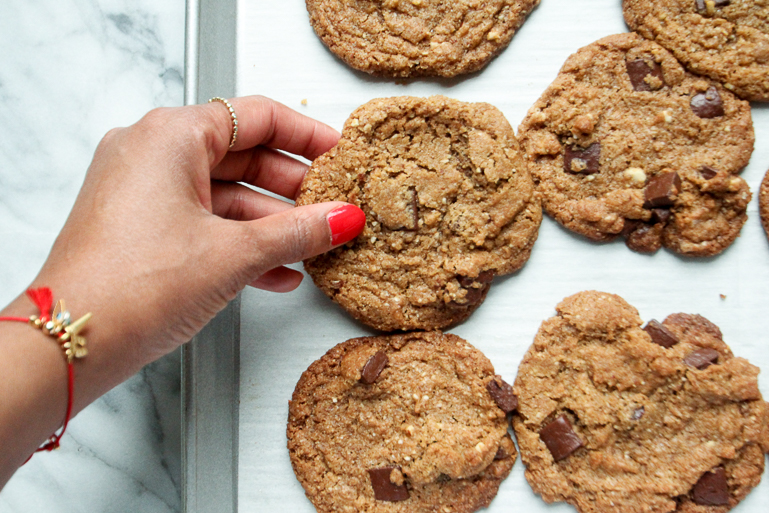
x=403 y=423
x=722 y=39
x=626 y=142
x=763 y=203
x=616 y=417
x=404 y=38
x=449 y=204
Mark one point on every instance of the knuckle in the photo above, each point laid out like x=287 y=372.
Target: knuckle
x=111 y=136
x=157 y=117
x=301 y=236
x=110 y=140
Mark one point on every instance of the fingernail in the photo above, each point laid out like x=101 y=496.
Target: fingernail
x=345 y=222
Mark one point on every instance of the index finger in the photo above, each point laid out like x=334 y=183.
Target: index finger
x=265 y=122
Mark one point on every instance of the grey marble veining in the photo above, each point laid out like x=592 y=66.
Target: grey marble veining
x=70 y=71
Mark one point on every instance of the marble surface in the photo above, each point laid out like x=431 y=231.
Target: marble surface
x=71 y=70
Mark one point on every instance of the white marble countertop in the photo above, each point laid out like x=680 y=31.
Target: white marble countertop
x=70 y=70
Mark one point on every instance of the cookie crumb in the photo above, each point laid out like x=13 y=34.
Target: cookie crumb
x=304 y=101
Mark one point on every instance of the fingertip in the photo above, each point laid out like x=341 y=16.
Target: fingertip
x=345 y=223
x=280 y=279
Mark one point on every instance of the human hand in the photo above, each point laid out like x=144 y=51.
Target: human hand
x=162 y=237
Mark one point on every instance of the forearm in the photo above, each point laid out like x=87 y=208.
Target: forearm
x=33 y=389
x=34 y=384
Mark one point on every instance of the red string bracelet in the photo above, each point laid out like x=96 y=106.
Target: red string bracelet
x=57 y=324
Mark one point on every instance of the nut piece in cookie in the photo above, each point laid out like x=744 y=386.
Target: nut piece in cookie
x=726 y=40
x=612 y=419
x=403 y=38
x=626 y=143
x=426 y=435
x=449 y=205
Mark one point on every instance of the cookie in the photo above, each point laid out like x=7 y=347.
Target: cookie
x=401 y=423
x=616 y=417
x=449 y=204
x=403 y=38
x=725 y=40
x=626 y=142
x=763 y=203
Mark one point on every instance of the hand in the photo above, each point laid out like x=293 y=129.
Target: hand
x=162 y=237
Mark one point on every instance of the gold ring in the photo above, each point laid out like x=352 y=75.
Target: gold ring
x=232 y=116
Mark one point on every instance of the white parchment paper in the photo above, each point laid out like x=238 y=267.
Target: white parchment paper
x=279 y=56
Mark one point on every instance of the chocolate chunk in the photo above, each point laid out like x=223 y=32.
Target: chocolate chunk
x=702 y=6
x=712 y=489
x=707 y=172
x=465 y=281
x=472 y=297
x=505 y=450
x=578 y=160
x=701 y=358
x=639 y=69
x=503 y=395
x=708 y=104
x=630 y=226
x=484 y=278
x=646 y=238
x=384 y=489
x=660 y=334
x=660 y=215
x=560 y=438
x=475 y=287
x=661 y=190
x=373 y=368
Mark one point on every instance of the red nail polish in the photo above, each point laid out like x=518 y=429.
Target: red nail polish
x=345 y=222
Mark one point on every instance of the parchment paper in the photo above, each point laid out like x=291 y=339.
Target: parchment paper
x=279 y=56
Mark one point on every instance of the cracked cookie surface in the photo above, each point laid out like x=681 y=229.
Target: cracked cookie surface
x=626 y=142
x=722 y=39
x=423 y=416
x=610 y=420
x=449 y=204
x=417 y=37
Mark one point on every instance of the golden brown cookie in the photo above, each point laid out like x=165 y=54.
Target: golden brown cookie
x=615 y=417
x=403 y=423
x=449 y=204
x=417 y=37
x=625 y=142
x=725 y=40
x=763 y=203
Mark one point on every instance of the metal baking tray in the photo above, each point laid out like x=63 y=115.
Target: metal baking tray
x=239 y=373
x=210 y=362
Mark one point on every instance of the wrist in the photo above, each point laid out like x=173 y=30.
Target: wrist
x=34 y=387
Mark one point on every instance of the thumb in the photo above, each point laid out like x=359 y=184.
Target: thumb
x=300 y=233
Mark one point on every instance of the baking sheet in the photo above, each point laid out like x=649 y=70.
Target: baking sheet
x=210 y=361
x=279 y=56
